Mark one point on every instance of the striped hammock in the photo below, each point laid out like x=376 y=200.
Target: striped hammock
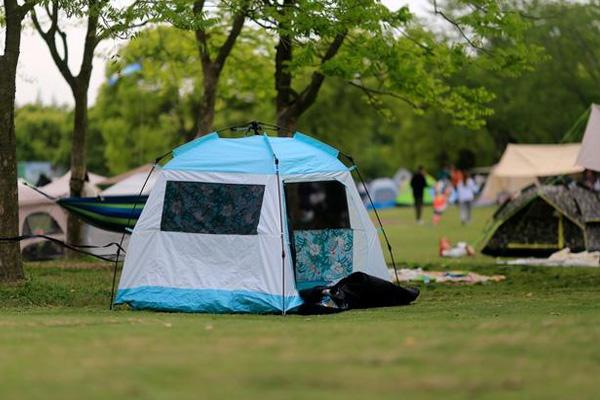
x=111 y=213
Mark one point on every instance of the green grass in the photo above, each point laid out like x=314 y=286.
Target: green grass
x=535 y=335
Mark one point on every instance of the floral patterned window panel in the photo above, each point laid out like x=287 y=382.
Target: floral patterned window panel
x=322 y=256
x=214 y=208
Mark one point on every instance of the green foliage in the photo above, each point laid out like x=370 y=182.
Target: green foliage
x=43 y=133
x=393 y=54
x=541 y=105
x=145 y=114
x=385 y=136
x=415 y=97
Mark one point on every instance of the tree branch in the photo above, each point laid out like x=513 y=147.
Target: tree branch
x=89 y=47
x=309 y=94
x=371 y=91
x=236 y=29
x=458 y=27
x=201 y=36
x=49 y=37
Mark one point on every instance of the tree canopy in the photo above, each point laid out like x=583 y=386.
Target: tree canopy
x=419 y=96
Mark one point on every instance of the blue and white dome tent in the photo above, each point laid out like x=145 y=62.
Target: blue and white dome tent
x=240 y=225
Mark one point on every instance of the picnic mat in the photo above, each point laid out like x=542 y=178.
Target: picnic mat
x=459 y=277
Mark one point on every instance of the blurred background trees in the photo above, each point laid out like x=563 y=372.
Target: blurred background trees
x=144 y=111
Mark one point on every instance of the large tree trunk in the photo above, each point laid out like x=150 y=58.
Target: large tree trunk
x=11 y=268
x=206 y=112
x=284 y=100
x=212 y=66
x=78 y=161
x=290 y=104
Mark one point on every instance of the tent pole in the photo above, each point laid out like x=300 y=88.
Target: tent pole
x=279 y=183
x=389 y=246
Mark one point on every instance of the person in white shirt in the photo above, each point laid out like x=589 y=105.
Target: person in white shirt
x=466 y=190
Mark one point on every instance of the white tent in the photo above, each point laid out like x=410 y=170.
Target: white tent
x=589 y=155
x=132 y=184
x=240 y=225
x=40 y=215
x=59 y=187
x=383 y=192
x=522 y=164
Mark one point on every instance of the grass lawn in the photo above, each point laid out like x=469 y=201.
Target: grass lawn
x=536 y=335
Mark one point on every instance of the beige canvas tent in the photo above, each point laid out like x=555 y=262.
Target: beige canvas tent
x=522 y=164
x=589 y=154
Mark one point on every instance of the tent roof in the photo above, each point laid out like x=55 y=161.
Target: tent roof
x=299 y=154
x=133 y=184
x=60 y=186
x=28 y=196
x=588 y=156
x=534 y=160
x=579 y=204
x=142 y=169
x=383 y=183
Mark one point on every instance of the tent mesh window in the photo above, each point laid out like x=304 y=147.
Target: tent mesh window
x=40 y=223
x=320 y=232
x=212 y=208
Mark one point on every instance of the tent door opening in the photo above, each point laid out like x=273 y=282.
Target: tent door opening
x=321 y=238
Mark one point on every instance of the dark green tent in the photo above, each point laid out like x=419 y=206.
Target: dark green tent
x=544 y=219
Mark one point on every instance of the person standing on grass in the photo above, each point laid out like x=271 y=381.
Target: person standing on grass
x=418 y=185
x=466 y=190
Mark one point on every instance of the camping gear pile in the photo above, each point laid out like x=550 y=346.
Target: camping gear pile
x=357 y=290
x=245 y=224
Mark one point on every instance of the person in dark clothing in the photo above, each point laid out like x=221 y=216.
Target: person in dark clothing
x=418 y=185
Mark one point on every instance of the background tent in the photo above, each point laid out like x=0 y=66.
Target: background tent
x=383 y=192
x=589 y=155
x=544 y=219
x=59 y=187
x=405 y=196
x=38 y=215
x=401 y=176
x=130 y=183
x=522 y=164
x=41 y=215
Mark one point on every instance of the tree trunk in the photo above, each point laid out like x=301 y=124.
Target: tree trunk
x=290 y=104
x=206 y=112
x=78 y=162
x=11 y=268
x=283 y=80
x=287 y=118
